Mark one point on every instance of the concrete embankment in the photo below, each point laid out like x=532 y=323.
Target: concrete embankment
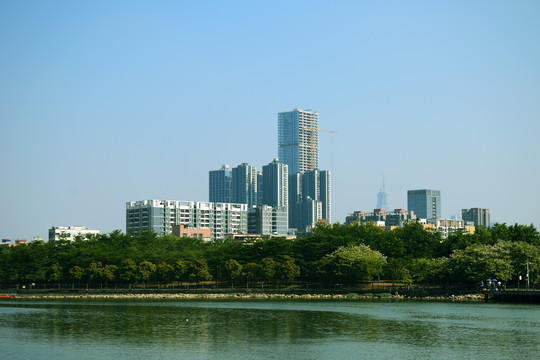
x=253 y=296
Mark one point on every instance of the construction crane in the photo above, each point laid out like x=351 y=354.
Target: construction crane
x=311 y=140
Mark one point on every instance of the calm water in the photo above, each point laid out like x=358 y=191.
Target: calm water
x=89 y=329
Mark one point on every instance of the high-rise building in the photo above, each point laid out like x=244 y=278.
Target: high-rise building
x=325 y=195
x=425 y=203
x=311 y=214
x=160 y=216
x=295 y=200
x=244 y=185
x=316 y=186
x=267 y=220
x=220 y=185
x=298 y=140
x=479 y=216
x=310 y=199
x=275 y=188
x=382 y=198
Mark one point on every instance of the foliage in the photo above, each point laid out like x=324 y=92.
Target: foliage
x=333 y=252
x=353 y=263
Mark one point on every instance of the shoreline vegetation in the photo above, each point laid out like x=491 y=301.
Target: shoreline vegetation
x=244 y=295
x=336 y=258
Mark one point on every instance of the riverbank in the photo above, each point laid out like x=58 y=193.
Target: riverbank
x=247 y=296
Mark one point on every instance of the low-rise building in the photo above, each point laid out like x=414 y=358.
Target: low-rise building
x=447 y=226
x=182 y=231
x=8 y=242
x=70 y=232
x=382 y=218
x=160 y=216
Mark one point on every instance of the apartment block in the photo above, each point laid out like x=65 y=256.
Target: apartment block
x=161 y=215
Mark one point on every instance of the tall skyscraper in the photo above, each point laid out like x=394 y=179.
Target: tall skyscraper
x=316 y=186
x=382 y=198
x=295 y=200
x=275 y=184
x=425 y=203
x=325 y=195
x=310 y=199
x=298 y=140
x=480 y=217
x=244 y=185
x=220 y=185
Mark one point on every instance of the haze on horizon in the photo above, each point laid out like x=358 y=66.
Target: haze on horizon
x=103 y=103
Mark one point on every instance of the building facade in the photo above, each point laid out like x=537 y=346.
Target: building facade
x=298 y=140
x=70 y=232
x=160 y=216
x=275 y=184
x=183 y=231
x=220 y=185
x=381 y=217
x=425 y=203
x=448 y=226
x=479 y=216
x=382 y=198
x=244 y=185
x=268 y=220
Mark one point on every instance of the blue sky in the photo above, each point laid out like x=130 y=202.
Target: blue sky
x=107 y=102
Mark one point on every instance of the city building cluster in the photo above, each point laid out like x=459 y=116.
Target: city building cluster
x=423 y=205
x=287 y=198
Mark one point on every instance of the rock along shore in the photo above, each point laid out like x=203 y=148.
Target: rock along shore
x=248 y=296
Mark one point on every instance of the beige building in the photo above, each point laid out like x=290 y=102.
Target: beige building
x=183 y=231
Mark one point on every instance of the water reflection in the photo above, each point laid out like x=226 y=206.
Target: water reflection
x=204 y=329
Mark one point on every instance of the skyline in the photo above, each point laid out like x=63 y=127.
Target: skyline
x=102 y=104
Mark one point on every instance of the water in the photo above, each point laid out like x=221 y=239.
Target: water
x=296 y=330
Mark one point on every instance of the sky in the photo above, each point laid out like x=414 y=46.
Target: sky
x=104 y=102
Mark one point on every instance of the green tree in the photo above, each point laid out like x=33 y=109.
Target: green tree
x=353 y=263
x=165 y=273
x=479 y=262
x=95 y=271
x=54 y=274
x=76 y=274
x=396 y=270
x=128 y=271
x=250 y=271
x=429 y=271
x=198 y=271
x=109 y=273
x=233 y=271
x=287 y=270
x=146 y=270
x=267 y=270
x=180 y=270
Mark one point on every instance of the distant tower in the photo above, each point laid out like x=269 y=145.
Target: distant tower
x=382 y=198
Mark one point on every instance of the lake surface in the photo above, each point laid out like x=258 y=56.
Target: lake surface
x=194 y=329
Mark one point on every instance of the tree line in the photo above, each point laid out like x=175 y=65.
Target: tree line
x=331 y=254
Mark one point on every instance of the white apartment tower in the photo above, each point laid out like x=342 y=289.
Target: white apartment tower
x=298 y=140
